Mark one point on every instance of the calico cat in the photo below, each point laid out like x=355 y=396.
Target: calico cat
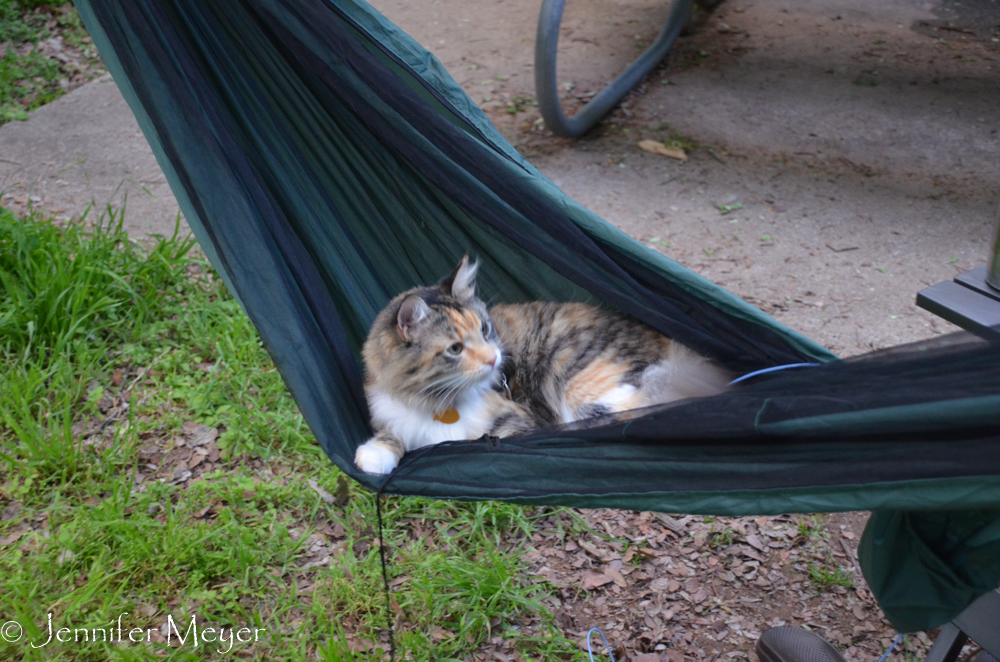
x=440 y=366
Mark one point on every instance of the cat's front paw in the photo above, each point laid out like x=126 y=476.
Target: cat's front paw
x=374 y=458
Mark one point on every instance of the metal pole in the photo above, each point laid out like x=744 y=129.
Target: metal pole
x=547 y=89
x=993 y=263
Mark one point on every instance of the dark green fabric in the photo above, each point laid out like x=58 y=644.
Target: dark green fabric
x=326 y=162
x=926 y=567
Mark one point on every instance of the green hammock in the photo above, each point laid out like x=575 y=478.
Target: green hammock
x=326 y=162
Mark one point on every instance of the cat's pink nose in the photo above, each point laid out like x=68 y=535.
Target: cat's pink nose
x=493 y=360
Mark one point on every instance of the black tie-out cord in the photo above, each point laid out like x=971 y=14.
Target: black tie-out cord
x=385 y=575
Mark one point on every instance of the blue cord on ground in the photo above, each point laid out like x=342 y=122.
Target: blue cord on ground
x=890 y=649
x=606 y=644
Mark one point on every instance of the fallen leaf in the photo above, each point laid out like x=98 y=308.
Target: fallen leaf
x=323 y=494
x=359 y=645
x=12 y=538
x=616 y=576
x=755 y=542
x=203 y=435
x=593 y=580
x=654 y=147
x=596 y=553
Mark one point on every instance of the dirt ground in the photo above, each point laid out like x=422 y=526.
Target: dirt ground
x=853 y=147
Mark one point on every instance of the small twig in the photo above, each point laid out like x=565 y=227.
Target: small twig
x=142 y=373
x=851 y=554
x=672 y=524
x=711 y=152
x=948 y=28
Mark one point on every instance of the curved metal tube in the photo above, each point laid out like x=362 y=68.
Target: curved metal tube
x=546 y=85
x=993 y=266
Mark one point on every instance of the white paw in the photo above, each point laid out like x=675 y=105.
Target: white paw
x=375 y=459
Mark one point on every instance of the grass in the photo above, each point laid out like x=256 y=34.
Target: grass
x=824 y=576
x=30 y=78
x=109 y=348
x=813 y=526
x=721 y=539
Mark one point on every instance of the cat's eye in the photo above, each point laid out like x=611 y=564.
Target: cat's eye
x=487 y=327
x=456 y=348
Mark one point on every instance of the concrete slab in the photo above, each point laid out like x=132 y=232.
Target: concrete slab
x=85 y=149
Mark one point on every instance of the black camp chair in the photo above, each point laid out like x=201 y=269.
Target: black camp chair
x=326 y=162
x=972 y=302
x=980 y=622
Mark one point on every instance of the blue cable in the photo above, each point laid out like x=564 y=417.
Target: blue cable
x=606 y=644
x=890 y=649
x=774 y=369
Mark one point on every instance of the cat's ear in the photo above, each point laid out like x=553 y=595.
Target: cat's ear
x=461 y=283
x=411 y=311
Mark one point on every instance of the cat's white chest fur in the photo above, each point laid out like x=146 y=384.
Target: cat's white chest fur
x=417 y=428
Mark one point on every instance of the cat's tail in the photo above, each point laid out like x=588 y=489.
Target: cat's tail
x=683 y=374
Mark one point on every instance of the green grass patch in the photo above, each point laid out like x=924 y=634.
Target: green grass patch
x=826 y=575
x=44 y=51
x=111 y=350
x=25 y=84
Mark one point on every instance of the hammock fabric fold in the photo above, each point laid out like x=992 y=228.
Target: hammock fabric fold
x=326 y=162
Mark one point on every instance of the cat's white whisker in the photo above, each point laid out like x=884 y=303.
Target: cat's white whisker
x=439 y=385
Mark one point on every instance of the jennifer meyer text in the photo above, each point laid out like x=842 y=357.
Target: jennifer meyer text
x=174 y=632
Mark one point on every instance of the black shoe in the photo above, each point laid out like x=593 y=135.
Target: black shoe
x=788 y=644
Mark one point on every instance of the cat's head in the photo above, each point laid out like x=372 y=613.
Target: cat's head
x=433 y=345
